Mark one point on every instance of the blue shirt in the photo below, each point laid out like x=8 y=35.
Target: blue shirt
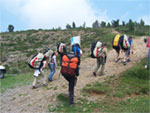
x=130 y=41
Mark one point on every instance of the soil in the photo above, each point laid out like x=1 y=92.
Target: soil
x=25 y=99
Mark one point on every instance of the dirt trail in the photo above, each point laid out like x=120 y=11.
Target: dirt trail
x=24 y=99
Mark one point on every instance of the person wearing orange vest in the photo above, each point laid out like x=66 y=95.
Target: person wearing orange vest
x=70 y=71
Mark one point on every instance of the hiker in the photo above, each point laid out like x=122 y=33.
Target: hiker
x=148 y=46
x=120 y=43
x=127 y=52
x=2 y=70
x=40 y=71
x=52 y=65
x=101 y=60
x=116 y=46
x=70 y=72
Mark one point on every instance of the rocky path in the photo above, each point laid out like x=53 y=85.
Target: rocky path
x=24 y=99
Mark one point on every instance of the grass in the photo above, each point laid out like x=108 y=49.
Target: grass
x=11 y=81
x=127 y=93
x=138 y=104
x=63 y=105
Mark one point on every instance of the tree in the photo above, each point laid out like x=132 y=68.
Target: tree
x=59 y=28
x=84 y=25
x=103 y=24
x=68 y=26
x=131 y=25
x=123 y=23
x=142 y=22
x=96 y=24
x=73 y=25
x=108 y=25
x=10 y=28
x=115 y=23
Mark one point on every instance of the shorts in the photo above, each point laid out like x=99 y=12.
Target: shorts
x=117 y=48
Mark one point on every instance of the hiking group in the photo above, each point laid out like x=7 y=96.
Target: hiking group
x=70 y=61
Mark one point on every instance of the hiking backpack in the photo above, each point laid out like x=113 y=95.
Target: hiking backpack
x=48 y=53
x=96 y=49
x=116 y=40
x=36 y=61
x=61 y=48
x=69 y=64
x=76 y=49
x=126 y=43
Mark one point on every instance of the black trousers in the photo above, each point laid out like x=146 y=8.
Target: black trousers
x=72 y=82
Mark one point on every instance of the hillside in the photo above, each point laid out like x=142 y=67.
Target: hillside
x=24 y=99
x=17 y=47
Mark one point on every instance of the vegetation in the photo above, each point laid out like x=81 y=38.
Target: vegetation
x=127 y=93
x=11 y=81
x=17 y=47
x=10 y=28
x=82 y=105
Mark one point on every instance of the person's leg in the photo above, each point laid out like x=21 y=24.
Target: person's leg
x=34 y=82
x=71 y=90
x=44 y=78
x=49 y=65
x=103 y=66
x=127 y=53
x=128 y=56
x=52 y=68
x=147 y=63
x=97 y=67
x=118 y=54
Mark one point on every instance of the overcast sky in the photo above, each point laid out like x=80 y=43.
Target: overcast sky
x=46 y=14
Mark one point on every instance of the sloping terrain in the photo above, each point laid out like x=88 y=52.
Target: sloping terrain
x=24 y=99
x=17 y=47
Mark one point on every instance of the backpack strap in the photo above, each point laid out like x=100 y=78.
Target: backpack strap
x=102 y=51
x=68 y=65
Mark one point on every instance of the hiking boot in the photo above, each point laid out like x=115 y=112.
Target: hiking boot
x=117 y=60
x=34 y=87
x=94 y=73
x=124 y=62
x=44 y=85
x=50 y=80
x=101 y=74
x=146 y=67
x=128 y=60
x=71 y=105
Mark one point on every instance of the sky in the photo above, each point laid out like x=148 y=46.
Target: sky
x=48 y=14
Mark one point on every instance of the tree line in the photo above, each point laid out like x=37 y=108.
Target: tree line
x=114 y=23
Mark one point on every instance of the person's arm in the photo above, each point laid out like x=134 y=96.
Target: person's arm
x=132 y=47
x=44 y=64
x=105 y=51
x=55 y=61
